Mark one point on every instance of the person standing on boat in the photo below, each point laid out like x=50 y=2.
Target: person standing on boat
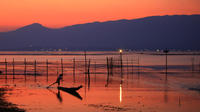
x=60 y=77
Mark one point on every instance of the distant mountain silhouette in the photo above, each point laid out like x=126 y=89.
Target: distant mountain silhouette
x=156 y=32
x=33 y=28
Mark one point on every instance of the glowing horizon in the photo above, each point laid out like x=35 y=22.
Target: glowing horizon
x=56 y=14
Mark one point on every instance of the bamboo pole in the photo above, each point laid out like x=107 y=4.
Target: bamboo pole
x=47 y=67
x=6 y=68
x=85 y=61
x=199 y=66
x=88 y=74
x=85 y=68
x=95 y=70
x=108 y=71
x=111 y=66
x=192 y=61
x=121 y=65
x=166 y=65
x=132 y=65
x=127 y=68
x=35 y=69
x=25 y=68
x=166 y=51
x=74 y=69
x=13 y=68
x=57 y=69
x=62 y=70
x=138 y=67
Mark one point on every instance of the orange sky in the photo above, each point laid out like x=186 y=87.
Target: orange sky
x=59 y=13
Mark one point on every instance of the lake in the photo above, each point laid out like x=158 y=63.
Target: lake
x=112 y=82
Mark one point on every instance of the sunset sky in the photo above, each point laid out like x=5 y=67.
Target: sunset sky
x=59 y=13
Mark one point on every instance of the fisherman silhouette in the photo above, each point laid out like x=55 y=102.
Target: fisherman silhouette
x=60 y=77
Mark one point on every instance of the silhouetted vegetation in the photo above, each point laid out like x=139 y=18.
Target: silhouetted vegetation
x=7 y=106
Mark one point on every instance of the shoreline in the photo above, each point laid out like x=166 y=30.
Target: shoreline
x=6 y=106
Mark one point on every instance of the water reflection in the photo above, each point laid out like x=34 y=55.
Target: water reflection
x=166 y=91
x=143 y=86
x=179 y=101
x=58 y=95
x=166 y=81
x=72 y=91
x=120 y=93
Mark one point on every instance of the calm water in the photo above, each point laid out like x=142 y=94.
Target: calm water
x=139 y=86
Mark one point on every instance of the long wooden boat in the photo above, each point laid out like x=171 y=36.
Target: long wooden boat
x=72 y=91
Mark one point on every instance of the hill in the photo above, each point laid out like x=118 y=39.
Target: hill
x=156 y=32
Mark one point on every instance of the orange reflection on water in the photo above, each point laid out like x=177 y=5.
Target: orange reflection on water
x=120 y=93
x=144 y=91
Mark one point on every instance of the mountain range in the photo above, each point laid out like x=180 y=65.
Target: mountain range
x=156 y=32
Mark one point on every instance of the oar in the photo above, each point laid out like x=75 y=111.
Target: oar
x=51 y=84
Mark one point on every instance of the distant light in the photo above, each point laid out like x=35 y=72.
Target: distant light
x=120 y=50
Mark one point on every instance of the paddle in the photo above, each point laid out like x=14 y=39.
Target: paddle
x=51 y=84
